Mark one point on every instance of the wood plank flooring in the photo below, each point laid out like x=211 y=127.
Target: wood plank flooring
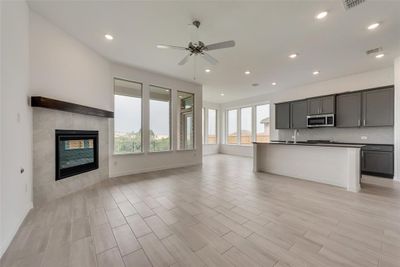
x=218 y=214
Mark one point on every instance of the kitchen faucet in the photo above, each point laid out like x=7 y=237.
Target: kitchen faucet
x=296 y=132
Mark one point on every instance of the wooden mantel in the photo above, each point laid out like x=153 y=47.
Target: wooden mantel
x=44 y=102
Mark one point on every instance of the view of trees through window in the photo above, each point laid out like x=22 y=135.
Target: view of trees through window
x=245 y=125
x=212 y=126
x=160 y=99
x=263 y=123
x=127 y=116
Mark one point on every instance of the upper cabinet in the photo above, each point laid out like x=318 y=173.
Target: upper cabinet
x=348 y=110
x=369 y=108
x=298 y=110
x=378 y=107
x=282 y=116
x=321 y=105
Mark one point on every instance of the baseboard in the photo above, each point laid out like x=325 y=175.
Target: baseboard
x=160 y=168
x=7 y=240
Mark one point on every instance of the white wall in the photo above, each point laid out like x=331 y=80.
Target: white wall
x=397 y=119
x=16 y=120
x=354 y=82
x=144 y=162
x=65 y=69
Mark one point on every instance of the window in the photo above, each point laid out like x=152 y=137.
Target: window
x=212 y=126
x=232 y=127
x=245 y=125
x=185 y=121
x=263 y=123
x=127 y=116
x=160 y=106
x=202 y=125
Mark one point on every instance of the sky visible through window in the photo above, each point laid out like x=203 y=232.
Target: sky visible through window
x=128 y=115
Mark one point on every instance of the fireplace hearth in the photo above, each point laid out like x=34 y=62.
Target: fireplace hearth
x=76 y=152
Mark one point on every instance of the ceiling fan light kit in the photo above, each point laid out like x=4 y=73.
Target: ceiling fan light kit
x=195 y=48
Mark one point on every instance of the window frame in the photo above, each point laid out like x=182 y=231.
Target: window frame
x=253 y=120
x=178 y=106
x=251 y=126
x=141 y=119
x=170 y=120
x=237 y=126
x=207 y=128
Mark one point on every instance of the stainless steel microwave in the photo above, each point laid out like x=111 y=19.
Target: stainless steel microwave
x=325 y=120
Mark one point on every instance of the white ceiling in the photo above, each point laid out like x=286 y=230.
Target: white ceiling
x=265 y=34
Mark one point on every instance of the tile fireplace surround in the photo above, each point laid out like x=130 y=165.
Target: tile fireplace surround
x=45 y=122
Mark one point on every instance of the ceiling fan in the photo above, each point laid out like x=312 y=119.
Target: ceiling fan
x=196 y=47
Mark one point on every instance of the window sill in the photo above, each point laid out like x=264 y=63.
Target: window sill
x=186 y=150
x=128 y=154
x=158 y=152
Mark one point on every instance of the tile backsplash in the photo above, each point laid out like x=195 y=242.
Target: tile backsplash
x=370 y=135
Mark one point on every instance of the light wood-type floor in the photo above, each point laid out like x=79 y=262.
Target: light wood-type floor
x=219 y=214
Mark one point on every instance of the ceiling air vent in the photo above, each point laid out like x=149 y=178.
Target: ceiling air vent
x=352 y=3
x=375 y=50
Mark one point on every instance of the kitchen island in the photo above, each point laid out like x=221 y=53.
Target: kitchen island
x=333 y=164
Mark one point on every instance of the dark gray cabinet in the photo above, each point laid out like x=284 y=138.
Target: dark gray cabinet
x=282 y=116
x=377 y=160
x=378 y=107
x=348 y=110
x=298 y=112
x=321 y=105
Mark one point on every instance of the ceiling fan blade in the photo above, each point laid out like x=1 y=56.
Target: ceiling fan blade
x=209 y=58
x=184 y=60
x=220 y=45
x=163 y=46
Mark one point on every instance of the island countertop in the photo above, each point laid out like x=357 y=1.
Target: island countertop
x=302 y=143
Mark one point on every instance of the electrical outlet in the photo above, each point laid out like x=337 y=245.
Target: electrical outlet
x=364 y=137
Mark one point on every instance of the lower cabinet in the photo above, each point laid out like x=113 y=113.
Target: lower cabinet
x=378 y=160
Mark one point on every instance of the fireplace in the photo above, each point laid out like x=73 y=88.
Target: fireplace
x=76 y=152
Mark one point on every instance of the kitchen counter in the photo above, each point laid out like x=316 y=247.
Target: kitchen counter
x=333 y=164
x=302 y=143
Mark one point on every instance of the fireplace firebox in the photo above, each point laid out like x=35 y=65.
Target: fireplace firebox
x=76 y=152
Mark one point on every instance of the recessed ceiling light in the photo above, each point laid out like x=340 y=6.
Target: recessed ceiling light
x=109 y=37
x=207 y=70
x=373 y=26
x=222 y=94
x=321 y=15
x=274 y=83
x=162 y=46
x=380 y=55
x=315 y=72
x=294 y=55
x=247 y=72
